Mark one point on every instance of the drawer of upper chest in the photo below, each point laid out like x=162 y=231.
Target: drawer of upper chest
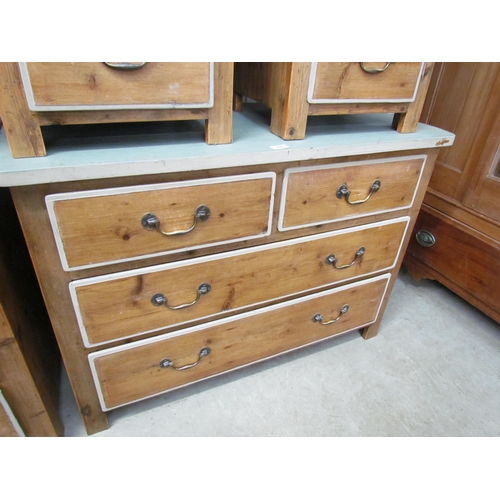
x=94 y=85
x=363 y=82
x=142 y=369
x=329 y=193
x=105 y=226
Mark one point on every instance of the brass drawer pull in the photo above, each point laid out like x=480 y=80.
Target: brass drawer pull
x=331 y=259
x=167 y=363
x=318 y=318
x=373 y=70
x=152 y=223
x=125 y=66
x=158 y=299
x=343 y=192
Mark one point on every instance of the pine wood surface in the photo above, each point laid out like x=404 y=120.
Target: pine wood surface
x=121 y=307
x=311 y=194
x=407 y=122
x=284 y=88
x=120 y=116
x=20 y=123
x=93 y=83
x=54 y=283
x=7 y=428
x=30 y=202
x=108 y=228
x=347 y=80
x=219 y=122
x=134 y=373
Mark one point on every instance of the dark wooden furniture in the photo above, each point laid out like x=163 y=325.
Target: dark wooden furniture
x=457 y=235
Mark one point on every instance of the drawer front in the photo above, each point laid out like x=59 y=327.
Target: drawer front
x=93 y=228
x=336 y=82
x=461 y=254
x=143 y=369
x=95 y=85
x=317 y=195
x=135 y=302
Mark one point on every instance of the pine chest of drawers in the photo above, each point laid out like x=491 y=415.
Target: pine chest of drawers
x=179 y=265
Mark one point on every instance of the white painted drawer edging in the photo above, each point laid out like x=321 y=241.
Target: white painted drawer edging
x=50 y=200
x=74 y=285
x=109 y=107
x=93 y=356
x=312 y=100
x=292 y=170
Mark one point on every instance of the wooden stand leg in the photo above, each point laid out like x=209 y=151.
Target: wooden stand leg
x=30 y=206
x=290 y=107
x=21 y=124
x=237 y=103
x=219 y=125
x=407 y=122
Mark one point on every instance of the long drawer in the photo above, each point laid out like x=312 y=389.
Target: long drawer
x=318 y=195
x=130 y=303
x=104 y=226
x=143 y=369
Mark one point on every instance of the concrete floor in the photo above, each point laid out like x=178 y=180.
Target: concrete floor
x=433 y=370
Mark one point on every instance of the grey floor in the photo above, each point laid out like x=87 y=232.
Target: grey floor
x=433 y=370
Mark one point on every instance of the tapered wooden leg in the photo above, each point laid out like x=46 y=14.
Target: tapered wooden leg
x=21 y=124
x=219 y=125
x=372 y=330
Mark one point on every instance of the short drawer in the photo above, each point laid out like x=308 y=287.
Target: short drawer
x=143 y=369
x=336 y=82
x=65 y=86
x=318 y=195
x=135 y=302
x=105 y=226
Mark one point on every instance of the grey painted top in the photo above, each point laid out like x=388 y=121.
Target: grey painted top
x=106 y=151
